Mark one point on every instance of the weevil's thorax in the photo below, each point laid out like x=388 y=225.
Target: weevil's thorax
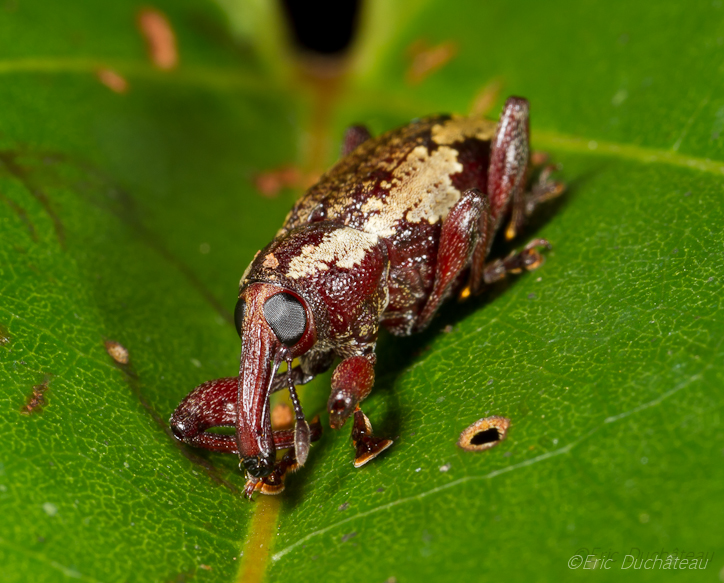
x=340 y=272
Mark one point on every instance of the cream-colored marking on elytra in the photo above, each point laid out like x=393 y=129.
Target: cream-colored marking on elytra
x=342 y=248
x=248 y=268
x=460 y=128
x=421 y=189
x=270 y=262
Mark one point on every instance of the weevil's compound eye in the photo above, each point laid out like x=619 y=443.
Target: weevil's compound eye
x=239 y=312
x=286 y=316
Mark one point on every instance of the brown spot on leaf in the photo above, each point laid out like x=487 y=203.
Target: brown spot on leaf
x=114 y=81
x=426 y=59
x=36 y=399
x=117 y=352
x=160 y=38
x=484 y=434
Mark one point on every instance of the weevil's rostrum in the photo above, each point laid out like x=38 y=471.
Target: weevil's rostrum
x=401 y=223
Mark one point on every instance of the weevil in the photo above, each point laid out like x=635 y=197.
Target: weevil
x=400 y=224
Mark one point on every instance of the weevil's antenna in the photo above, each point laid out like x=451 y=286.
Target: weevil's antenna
x=301 y=427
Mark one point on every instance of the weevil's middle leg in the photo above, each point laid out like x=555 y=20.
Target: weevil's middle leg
x=464 y=241
x=351 y=382
x=367 y=446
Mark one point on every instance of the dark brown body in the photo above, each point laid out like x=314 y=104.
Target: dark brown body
x=348 y=193
x=398 y=225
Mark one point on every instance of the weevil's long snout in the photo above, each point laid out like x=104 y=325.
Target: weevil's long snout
x=261 y=354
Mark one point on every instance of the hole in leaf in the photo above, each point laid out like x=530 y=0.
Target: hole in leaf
x=484 y=434
x=487 y=436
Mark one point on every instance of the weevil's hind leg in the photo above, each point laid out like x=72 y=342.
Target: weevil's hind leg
x=367 y=446
x=353 y=137
x=510 y=165
x=509 y=157
x=543 y=189
x=518 y=261
x=211 y=404
x=464 y=241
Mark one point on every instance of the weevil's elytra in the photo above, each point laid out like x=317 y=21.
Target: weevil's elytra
x=401 y=223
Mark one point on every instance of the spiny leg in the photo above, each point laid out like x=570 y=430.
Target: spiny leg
x=213 y=404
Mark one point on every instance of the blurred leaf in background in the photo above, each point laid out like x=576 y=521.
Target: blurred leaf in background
x=133 y=194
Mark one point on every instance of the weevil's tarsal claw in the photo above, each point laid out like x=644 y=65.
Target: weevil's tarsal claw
x=528 y=259
x=301 y=441
x=252 y=484
x=366 y=445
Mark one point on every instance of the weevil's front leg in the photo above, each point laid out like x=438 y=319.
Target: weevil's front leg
x=211 y=404
x=351 y=382
x=284 y=438
x=274 y=482
x=464 y=241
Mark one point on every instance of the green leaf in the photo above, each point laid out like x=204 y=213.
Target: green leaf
x=130 y=217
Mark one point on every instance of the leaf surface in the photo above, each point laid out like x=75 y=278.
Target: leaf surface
x=130 y=217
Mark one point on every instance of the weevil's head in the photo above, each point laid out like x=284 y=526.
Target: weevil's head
x=275 y=325
x=312 y=288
